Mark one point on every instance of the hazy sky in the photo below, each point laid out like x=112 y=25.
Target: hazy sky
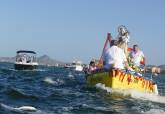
x=69 y=29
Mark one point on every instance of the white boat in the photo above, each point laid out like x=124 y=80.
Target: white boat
x=75 y=65
x=26 y=60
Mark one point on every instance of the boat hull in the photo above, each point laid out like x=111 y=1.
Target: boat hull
x=116 y=79
x=25 y=67
x=75 y=68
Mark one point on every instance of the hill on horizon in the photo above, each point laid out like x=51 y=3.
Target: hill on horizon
x=46 y=60
x=42 y=60
x=162 y=67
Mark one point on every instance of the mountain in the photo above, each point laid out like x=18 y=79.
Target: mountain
x=42 y=60
x=7 y=59
x=46 y=60
x=162 y=67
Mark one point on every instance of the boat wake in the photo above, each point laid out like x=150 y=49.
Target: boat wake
x=133 y=94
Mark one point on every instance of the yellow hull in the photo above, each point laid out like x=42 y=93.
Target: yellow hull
x=116 y=79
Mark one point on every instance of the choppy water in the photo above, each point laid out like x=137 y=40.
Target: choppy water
x=52 y=90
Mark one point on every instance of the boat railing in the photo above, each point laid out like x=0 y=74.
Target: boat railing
x=26 y=58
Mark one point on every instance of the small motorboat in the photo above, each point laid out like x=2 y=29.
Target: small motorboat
x=25 y=60
x=75 y=65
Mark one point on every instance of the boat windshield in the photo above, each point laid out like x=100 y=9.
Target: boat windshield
x=26 y=57
x=73 y=63
x=76 y=63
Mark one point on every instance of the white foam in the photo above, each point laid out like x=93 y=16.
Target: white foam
x=49 y=80
x=154 y=111
x=133 y=94
x=56 y=82
x=102 y=86
x=23 y=109
x=147 y=96
x=67 y=109
x=40 y=70
x=70 y=75
x=35 y=70
x=20 y=109
x=26 y=108
x=95 y=107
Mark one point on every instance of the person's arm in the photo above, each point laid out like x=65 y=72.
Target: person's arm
x=143 y=58
x=127 y=66
x=126 y=63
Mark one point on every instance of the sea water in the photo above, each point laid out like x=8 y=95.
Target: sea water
x=53 y=90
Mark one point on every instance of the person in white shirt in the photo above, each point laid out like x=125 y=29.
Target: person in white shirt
x=114 y=57
x=136 y=56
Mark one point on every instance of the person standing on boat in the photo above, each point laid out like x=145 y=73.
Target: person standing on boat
x=137 y=58
x=114 y=57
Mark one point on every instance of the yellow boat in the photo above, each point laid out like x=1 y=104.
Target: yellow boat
x=117 y=79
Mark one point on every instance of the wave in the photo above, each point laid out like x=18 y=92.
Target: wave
x=23 y=109
x=133 y=94
x=102 y=86
x=92 y=108
x=98 y=108
x=154 y=111
x=85 y=107
x=70 y=75
x=56 y=82
x=19 y=109
x=35 y=70
x=18 y=94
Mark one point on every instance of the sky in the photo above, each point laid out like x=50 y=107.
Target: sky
x=77 y=29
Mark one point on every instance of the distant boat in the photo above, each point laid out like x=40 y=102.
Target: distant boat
x=25 y=60
x=75 y=65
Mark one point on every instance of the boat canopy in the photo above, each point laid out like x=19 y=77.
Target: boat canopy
x=25 y=51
